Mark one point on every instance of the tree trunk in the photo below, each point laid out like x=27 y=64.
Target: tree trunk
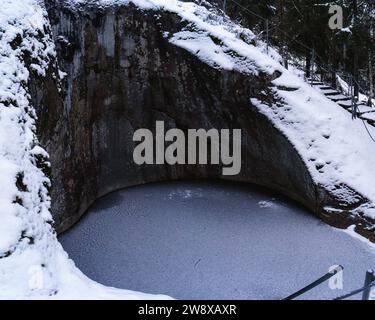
x=333 y=63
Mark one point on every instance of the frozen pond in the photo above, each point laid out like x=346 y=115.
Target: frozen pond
x=210 y=240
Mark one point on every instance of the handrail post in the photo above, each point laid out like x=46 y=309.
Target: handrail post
x=314 y=284
x=267 y=33
x=225 y=6
x=312 y=65
x=368 y=279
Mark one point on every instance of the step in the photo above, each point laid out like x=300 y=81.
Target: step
x=331 y=92
x=339 y=98
x=368 y=116
x=365 y=109
x=285 y=88
x=345 y=104
x=325 y=87
x=315 y=82
x=365 y=105
x=343 y=99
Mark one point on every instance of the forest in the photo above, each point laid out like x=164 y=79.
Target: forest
x=300 y=30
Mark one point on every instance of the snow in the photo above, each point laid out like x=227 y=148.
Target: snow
x=33 y=264
x=267 y=204
x=350 y=231
x=206 y=27
x=370 y=213
x=334 y=148
x=185 y=194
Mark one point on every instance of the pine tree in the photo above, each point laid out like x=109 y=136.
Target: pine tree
x=300 y=28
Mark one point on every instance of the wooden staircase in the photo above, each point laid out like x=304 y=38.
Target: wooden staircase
x=363 y=111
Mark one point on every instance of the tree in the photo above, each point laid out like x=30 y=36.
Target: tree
x=300 y=27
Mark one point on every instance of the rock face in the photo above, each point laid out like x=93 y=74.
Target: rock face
x=122 y=75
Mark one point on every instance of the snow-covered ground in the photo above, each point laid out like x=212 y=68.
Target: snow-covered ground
x=212 y=241
x=32 y=262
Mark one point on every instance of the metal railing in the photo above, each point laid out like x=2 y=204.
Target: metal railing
x=316 y=69
x=365 y=290
x=316 y=283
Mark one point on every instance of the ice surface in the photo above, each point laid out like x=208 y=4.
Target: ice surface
x=225 y=242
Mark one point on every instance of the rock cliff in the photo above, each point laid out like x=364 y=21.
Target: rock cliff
x=123 y=73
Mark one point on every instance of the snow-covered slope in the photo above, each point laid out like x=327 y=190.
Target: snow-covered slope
x=335 y=148
x=32 y=262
